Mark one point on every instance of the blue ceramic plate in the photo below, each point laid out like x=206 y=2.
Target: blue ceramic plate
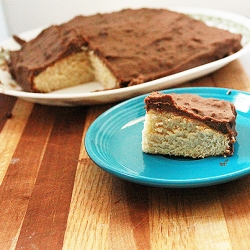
x=113 y=142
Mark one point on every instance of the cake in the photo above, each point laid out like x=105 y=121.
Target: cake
x=117 y=49
x=188 y=125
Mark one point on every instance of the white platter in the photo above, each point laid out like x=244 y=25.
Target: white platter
x=86 y=95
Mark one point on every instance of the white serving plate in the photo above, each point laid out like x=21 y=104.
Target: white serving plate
x=85 y=94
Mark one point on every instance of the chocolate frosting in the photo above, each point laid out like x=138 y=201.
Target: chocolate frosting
x=217 y=114
x=145 y=44
x=137 y=45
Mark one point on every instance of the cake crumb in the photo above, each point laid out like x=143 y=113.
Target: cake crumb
x=8 y=115
x=223 y=164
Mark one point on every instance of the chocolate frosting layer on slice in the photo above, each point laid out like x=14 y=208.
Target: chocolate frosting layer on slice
x=217 y=114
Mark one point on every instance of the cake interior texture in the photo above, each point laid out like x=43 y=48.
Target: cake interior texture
x=73 y=70
x=169 y=134
x=179 y=133
x=118 y=49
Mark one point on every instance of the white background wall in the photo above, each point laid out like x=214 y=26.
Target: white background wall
x=3 y=24
x=23 y=15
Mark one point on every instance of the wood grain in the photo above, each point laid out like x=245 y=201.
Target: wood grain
x=52 y=196
x=54 y=182
x=89 y=207
x=12 y=132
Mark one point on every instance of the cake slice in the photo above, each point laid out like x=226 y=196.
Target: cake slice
x=188 y=125
x=118 y=49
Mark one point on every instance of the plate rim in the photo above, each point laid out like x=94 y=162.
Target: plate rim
x=166 y=183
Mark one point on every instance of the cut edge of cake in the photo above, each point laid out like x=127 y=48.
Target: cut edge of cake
x=76 y=69
x=75 y=64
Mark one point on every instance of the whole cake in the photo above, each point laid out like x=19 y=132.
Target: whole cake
x=188 y=125
x=118 y=49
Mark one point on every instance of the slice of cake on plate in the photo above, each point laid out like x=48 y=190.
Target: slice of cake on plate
x=188 y=125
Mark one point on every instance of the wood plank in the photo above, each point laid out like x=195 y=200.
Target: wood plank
x=12 y=132
x=18 y=183
x=130 y=226
x=187 y=219
x=88 y=220
x=6 y=103
x=235 y=200
x=46 y=217
x=232 y=76
x=89 y=215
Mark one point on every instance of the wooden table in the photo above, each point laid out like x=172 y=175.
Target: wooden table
x=52 y=196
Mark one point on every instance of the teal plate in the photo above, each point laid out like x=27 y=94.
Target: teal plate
x=113 y=142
